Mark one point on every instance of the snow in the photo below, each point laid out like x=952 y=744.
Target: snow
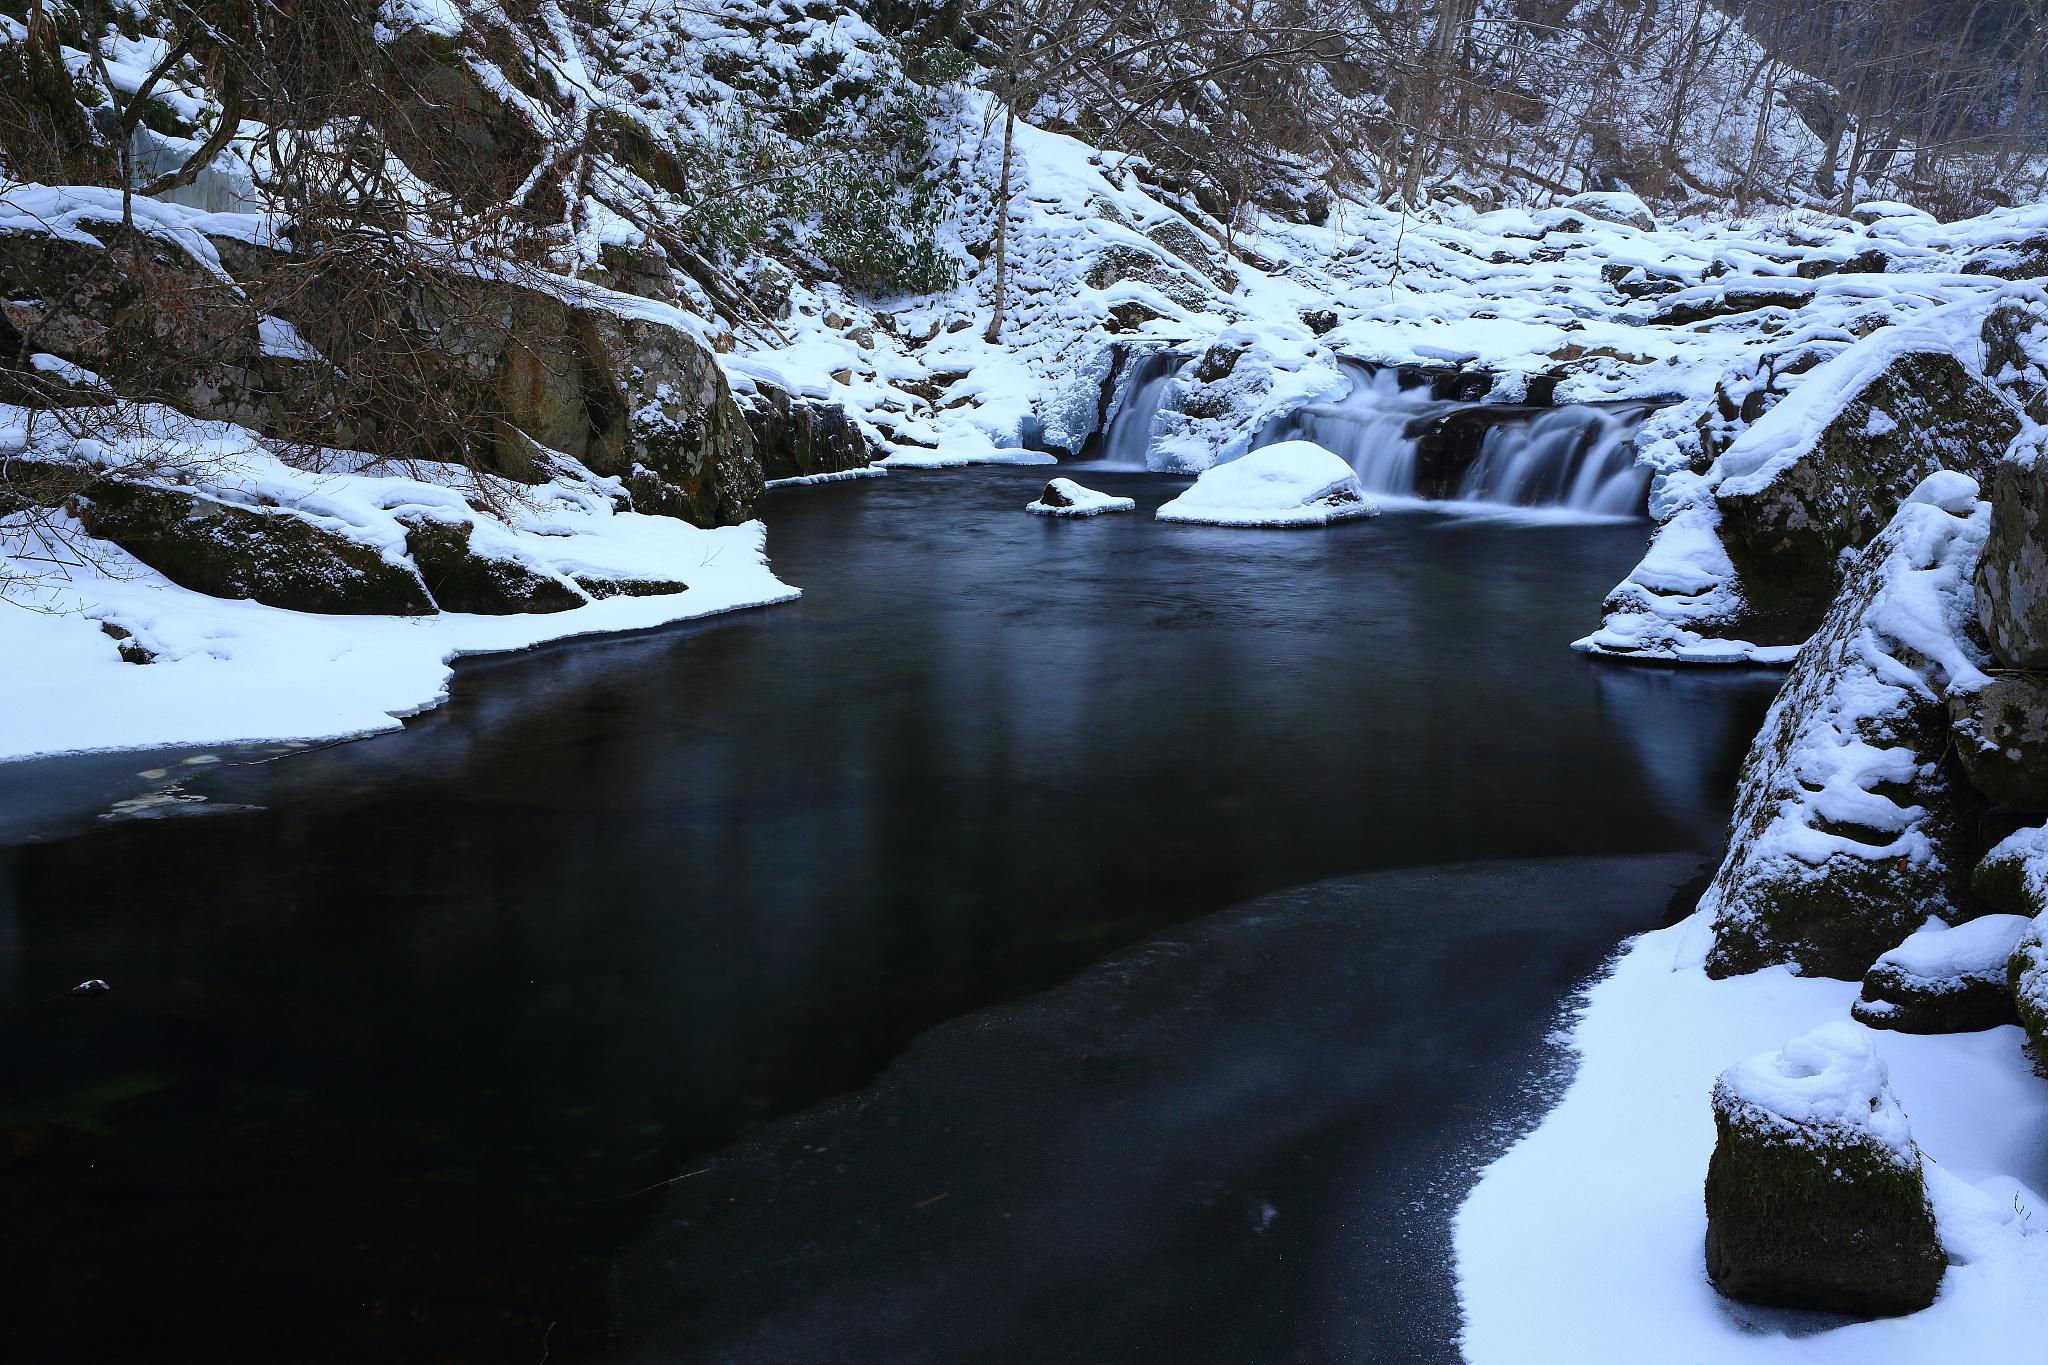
x=232 y=670
x=1830 y=1080
x=1079 y=501
x=1294 y=483
x=1583 y=1243
x=1938 y=957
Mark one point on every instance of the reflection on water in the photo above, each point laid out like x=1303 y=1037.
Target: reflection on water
x=388 y=1061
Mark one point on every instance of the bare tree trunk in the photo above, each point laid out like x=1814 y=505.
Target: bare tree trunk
x=995 y=323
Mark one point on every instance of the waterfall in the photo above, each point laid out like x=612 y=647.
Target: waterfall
x=1369 y=427
x=1128 y=442
x=1578 y=458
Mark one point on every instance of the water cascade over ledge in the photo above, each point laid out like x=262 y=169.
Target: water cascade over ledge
x=1406 y=442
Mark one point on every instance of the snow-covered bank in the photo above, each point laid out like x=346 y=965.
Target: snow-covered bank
x=1582 y=1246
x=106 y=653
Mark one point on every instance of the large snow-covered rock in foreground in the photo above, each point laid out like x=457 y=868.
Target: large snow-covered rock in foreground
x=1815 y=1194
x=1943 y=979
x=1065 y=498
x=1849 y=829
x=1295 y=483
x=1749 y=554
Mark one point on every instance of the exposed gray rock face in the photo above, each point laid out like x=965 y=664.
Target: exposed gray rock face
x=273 y=556
x=1944 y=980
x=104 y=309
x=1177 y=281
x=2012 y=581
x=1815 y=1194
x=2001 y=729
x=461 y=579
x=1850 y=826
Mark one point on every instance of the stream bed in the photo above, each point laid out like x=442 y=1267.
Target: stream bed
x=408 y=1038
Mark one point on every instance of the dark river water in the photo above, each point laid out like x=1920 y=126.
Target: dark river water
x=399 y=1055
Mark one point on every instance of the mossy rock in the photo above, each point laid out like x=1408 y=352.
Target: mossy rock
x=2012 y=577
x=1803 y=882
x=601 y=588
x=2027 y=973
x=151 y=322
x=1944 y=980
x=272 y=557
x=796 y=437
x=2002 y=740
x=1189 y=246
x=2001 y=878
x=462 y=580
x=1924 y=412
x=1808 y=1223
x=1815 y=1195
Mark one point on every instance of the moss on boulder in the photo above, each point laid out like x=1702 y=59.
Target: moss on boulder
x=1944 y=980
x=1785 y=531
x=1852 y=823
x=273 y=556
x=1815 y=1194
x=796 y=437
x=463 y=580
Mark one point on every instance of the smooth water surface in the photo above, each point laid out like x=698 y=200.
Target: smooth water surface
x=395 y=1066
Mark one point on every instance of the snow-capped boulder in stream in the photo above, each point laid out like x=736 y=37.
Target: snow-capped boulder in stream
x=1065 y=498
x=1294 y=483
x=1815 y=1194
x=1850 y=828
x=1749 y=553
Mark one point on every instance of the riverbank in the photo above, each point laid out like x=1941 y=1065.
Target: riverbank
x=1583 y=1242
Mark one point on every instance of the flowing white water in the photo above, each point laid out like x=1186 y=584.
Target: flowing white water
x=1580 y=458
x=1577 y=458
x=1129 y=440
x=1368 y=427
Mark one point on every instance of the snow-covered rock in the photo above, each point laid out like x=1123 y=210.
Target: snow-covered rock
x=1815 y=1196
x=1749 y=553
x=1065 y=498
x=2012 y=582
x=1614 y=206
x=1294 y=483
x=1943 y=979
x=1847 y=832
x=2001 y=730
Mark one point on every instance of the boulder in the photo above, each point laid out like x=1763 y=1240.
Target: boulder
x=2001 y=729
x=1292 y=484
x=1852 y=825
x=1800 y=485
x=1065 y=498
x=273 y=556
x=461 y=579
x=1613 y=206
x=796 y=437
x=1816 y=1198
x=2013 y=877
x=2012 y=578
x=1944 y=980
x=2028 y=974
x=153 y=322
x=1140 y=265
